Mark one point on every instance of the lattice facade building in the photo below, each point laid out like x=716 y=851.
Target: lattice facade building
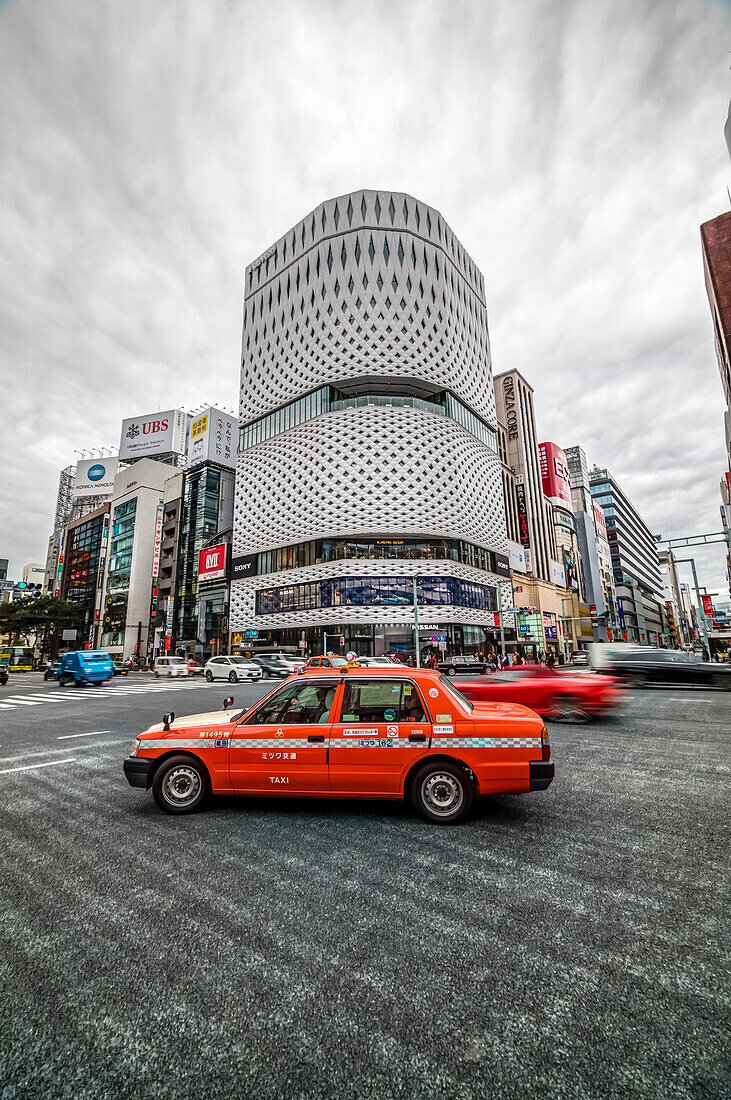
x=367 y=420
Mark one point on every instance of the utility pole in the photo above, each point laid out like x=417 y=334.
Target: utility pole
x=500 y=618
x=416 y=628
x=701 y=612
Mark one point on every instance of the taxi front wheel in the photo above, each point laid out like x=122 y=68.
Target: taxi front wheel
x=180 y=785
x=442 y=793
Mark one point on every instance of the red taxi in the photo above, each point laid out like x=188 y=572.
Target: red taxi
x=562 y=696
x=352 y=732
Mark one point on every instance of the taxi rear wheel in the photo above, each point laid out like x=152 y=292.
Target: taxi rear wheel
x=442 y=793
x=180 y=785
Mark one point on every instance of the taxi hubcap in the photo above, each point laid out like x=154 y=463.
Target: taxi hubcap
x=181 y=785
x=442 y=793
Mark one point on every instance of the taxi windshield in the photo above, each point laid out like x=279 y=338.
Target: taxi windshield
x=452 y=690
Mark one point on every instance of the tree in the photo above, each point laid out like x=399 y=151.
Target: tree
x=30 y=617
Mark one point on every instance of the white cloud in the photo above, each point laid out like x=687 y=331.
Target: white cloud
x=148 y=152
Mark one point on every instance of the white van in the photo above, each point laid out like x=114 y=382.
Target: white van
x=171 y=666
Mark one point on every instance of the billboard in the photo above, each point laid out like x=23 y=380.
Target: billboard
x=571 y=567
x=516 y=554
x=523 y=528
x=158 y=542
x=555 y=480
x=558 y=573
x=599 y=521
x=154 y=434
x=213 y=438
x=245 y=566
x=212 y=563
x=95 y=477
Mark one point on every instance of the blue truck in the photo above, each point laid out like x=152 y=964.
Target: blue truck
x=85 y=666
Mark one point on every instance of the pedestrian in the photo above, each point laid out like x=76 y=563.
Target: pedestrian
x=550 y=660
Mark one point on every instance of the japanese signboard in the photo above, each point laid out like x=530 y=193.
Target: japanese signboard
x=212 y=563
x=555 y=480
x=213 y=438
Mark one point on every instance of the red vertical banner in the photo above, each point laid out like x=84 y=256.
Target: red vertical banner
x=707 y=603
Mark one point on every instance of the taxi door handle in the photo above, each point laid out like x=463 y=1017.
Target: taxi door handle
x=417 y=737
x=316 y=737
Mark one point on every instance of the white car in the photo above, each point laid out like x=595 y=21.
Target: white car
x=233 y=669
x=171 y=666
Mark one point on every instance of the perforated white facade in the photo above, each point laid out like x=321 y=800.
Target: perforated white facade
x=372 y=302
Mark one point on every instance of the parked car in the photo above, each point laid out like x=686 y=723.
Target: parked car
x=396 y=733
x=232 y=668
x=85 y=666
x=562 y=696
x=463 y=663
x=375 y=662
x=669 y=667
x=580 y=657
x=171 y=666
x=120 y=668
x=277 y=665
x=51 y=670
x=195 y=668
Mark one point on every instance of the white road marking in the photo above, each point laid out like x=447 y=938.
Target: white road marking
x=32 y=767
x=16 y=701
x=68 y=736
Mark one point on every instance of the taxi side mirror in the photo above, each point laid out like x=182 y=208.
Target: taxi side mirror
x=229 y=702
x=167 y=719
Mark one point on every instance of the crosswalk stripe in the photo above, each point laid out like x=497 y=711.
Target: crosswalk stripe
x=23 y=702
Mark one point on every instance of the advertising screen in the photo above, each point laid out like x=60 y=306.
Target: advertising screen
x=95 y=477
x=212 y=438
x=571 y=567
x=555 y=479
x=155 y=434
x=212 y=563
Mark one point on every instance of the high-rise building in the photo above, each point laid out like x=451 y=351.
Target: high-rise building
x=596 y=558
x=368 y=459
x=635 y=564
x=135 y=519
x=716 y=246
x=82 y=574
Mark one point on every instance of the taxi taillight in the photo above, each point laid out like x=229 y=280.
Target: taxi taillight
x=545 y=745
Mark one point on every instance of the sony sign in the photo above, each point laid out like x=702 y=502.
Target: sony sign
x=156 y=433
x=511 y=415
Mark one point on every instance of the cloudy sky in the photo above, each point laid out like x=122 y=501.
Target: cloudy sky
x=148 y=151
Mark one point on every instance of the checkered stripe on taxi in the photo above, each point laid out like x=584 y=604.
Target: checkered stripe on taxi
x=486 y=742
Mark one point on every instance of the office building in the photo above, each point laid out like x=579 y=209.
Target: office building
x=596 y=558
x=82 y=573
x=135 y=519
x=368 y=459
x=635 y=564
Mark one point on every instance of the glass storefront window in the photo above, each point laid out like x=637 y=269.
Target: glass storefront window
x=375 y=591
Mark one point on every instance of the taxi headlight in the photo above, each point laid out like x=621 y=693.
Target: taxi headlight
x=135 y=747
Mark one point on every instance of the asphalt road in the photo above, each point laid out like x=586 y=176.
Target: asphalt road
x=567 y=943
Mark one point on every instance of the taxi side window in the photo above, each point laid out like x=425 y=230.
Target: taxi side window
x=298 y=703
x=370 y=702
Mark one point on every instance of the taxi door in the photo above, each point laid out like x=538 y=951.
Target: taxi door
x=281 y=748
x=383 y=727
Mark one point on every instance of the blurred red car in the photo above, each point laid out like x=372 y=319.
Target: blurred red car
x=562 y=696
